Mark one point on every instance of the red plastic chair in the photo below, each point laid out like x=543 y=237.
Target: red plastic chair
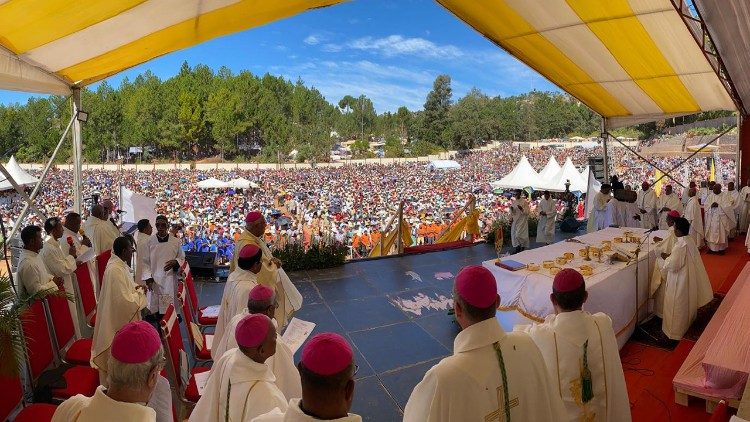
x=172 y=337
x=101 y=265
x=200 y=350
x=70 y=350
x=79 y=379
x=86 y=298
x=720 y=413
x=197 y=311
x=12 y=406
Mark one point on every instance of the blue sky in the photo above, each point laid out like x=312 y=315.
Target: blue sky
x=389 y=50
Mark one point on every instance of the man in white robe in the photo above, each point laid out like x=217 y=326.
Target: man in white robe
x=601 y=212
x=327 y=369
x=734 y=201
x=581 y=354
x=545 y=231
x=33 y=276
x=236 y=290
x=133 y=379
x=519 y=229
x=241 y=385
x=162 y=261
x=719 y=214
x=685 y=196
x=72 y=230
x=262 y=300
x=61 y=264
x=667 y=202
x=103 y=232
x=694 y=216
x=662 y=246
x=687 y=286
x=120 y=302
x=145 y=230
x=744 y=207
x=492 y=375
x=646 y=203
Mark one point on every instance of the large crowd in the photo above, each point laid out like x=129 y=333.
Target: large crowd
x=348 y=204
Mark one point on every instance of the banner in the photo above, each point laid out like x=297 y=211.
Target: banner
x=136 y=206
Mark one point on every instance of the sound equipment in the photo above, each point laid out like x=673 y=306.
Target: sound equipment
x=596 y=166
x=570 y=225
x=202 y=264
x=623 y=195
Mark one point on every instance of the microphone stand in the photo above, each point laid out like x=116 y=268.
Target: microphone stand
x=637 y=252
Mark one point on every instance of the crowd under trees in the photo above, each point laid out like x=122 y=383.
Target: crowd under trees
x=201 y=113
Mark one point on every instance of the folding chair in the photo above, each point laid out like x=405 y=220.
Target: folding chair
x=201 y=342
x=101 y=265
x=197 y=312
x=41 y=356
x=13 y=407
x=181 y=378
x=70 y=350
x=86 y=299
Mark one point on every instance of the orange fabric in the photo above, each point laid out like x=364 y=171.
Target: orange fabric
x=355 y=241
x=366 y=240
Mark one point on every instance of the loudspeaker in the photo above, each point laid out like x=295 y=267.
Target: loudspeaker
x=202 y=264
x=570 y=225
x=596 y=166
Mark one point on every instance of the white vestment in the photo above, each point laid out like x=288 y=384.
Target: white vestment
x=599 y=215
x=141 y=249
x=61 y=264
x=119 y=303
x=694 y=216
x=295 y=414
x=165 y=282
x=703 y=195
x=253 y=391
x=719 y=222
x=33 y=276
x=103 y=234
x=469 y=385
x=80 y=250
x=281 y=363
x=734 y=201
x=687 y=288
x=100 y=407
x=568 y=339
x=744 y=209
x=519 y=229
x=545 y=230
x=233 y=301
x=647 y=201
x=672 y=202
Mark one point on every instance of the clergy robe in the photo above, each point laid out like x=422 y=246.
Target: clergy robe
x=519 y=229
x=119 y=303
x=288 y=296
x=141 y=247
x=233 y=301
x=468 y=386
x=281 y=363
x=657 y=277
x=545 y=231
x=253 y=391
x=734 y=201
x=295 y=414
x=672 y=202
x=563 y=339
x=165 y=282
x=647 y=201
x=687 y=288
x=598 y=214
x=100 y=407
x=80 y=250
x=719 y=222
x=103 y=234
x=695 y=217
x=61 y=264
x=744 y=209
x=33 y=276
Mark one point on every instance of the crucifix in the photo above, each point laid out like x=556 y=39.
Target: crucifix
x=502 y=414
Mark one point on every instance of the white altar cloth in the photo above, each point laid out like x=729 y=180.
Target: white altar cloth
x=524 y=295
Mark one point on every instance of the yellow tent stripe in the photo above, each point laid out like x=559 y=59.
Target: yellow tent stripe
x=500 y=23
x=237 y=17
x=622 y=33
x=33 y=23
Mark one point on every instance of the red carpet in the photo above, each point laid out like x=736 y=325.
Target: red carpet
x=649 y=370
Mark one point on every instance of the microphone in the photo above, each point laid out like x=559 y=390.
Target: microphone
x=121 y=212
x=651 y=230
x=70 y=241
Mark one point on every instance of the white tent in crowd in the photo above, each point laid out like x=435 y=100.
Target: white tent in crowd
x=241 y=183
x=20 y=175
x=212 y=183
x=443 y=165
x=550 y=170
x=568 y=172
x=522 y=175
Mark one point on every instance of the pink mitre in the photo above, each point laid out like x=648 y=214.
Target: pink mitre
x=135 y=342
x=567 y=280
x=261 y=293
x=327 y=354
x=252 y=330
x=249 y=251
x=674 y=214
x=253 y=216
x=477 y=286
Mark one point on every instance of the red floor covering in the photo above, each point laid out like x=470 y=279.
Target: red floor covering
x=649 y=370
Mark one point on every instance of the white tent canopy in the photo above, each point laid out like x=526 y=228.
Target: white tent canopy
x=522 y=176
x=568 y=172
x=212 y=183
x=444 y=164
x=20 y=175
x=550 y=170
x=241 y=183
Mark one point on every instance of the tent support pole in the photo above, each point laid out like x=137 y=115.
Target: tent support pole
x=77 y=151
x=21 y=192
x=665 y=173
x=605 y=135
x=34 y=193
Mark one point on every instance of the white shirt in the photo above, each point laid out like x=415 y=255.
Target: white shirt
x=141 y=246
x=159 y=253
x=33 y=276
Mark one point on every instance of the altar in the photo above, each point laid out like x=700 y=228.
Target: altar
x=612 y=287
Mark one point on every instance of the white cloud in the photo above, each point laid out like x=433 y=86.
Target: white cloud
x=331 y=48
x=312 y=39
x=394 y=45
